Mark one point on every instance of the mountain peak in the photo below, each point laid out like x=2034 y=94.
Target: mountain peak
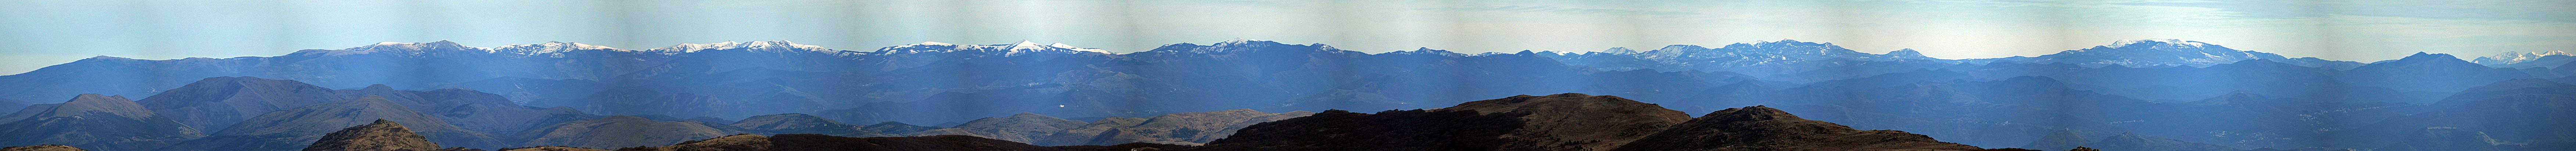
x=1029 y=44
x=86 y=105
x=2420 y=57
x=1906 y=53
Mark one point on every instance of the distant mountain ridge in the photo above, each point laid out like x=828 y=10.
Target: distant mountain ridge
x=2152 y=88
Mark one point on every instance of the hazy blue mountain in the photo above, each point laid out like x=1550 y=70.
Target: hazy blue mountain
x=2518 y=111
x=95 y=122
x=296 y=128
x=218 y=103
x=2428 y=72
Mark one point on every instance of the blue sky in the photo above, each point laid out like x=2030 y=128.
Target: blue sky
x=38 y=33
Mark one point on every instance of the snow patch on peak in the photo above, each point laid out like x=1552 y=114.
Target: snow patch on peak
x=2512 y=57
x=414 y=47
x=1013 y=49
x=772 y=45
x=1240 y=42
x=1025 y=43
x=2168 y=42
x=549 y=49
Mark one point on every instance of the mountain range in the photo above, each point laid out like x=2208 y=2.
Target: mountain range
x=1514 y=123
x=579 y=95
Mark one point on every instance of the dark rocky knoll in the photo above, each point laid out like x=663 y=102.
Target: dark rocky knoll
x=1566 y=122
x=1765 y=128
x=1577 y=121
x=383 y=135
x=1388 y=130
x=109 y=123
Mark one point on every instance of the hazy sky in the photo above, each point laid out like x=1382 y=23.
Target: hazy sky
x=38 y=33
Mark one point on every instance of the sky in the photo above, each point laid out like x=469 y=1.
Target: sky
x=38 y=33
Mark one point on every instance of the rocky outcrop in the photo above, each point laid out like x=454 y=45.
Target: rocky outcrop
x=383 y=135
x=1765 y=128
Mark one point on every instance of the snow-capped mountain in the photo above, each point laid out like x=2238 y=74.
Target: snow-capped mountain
x=399 y=48
x=1756 y=58
x=2514 y=57
x=549 y=49
x=1005 y=50
x=753 y=46
x=1763 y=52
x=2164 y=52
